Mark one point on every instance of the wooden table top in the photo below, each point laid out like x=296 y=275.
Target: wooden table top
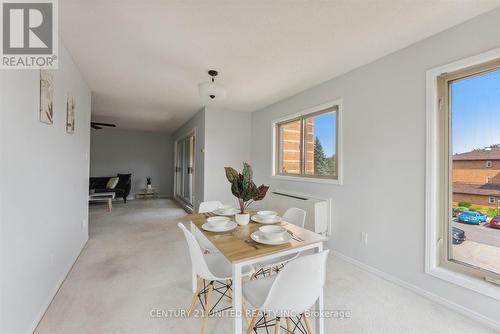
x=237 y=246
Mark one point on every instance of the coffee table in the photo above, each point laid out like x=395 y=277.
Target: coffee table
x=148 y=193
x=103 y=197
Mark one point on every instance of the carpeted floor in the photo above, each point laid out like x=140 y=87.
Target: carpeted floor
x=136 y=262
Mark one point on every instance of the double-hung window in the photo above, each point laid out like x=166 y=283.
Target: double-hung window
x=307 y=146
x=463 y=133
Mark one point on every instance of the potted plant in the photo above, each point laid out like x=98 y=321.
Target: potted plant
x=148 y=182
x=245 y=190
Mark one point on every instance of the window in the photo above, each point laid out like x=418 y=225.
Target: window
x=306 y=146
x=464 y=118
x=489 y=164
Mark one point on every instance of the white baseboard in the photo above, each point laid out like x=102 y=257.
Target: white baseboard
x=46 y=306
x=491 y=323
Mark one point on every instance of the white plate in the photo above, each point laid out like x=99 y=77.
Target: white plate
x=258 y=237
x=229 y=226
x=257 y=219
x=220 y=212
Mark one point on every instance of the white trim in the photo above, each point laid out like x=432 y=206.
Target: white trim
x=56 y=289
x=432 y=221
x=491 y=323
x=338 y=181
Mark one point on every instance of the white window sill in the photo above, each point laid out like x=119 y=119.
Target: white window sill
x=471 y=283
x=307 y=179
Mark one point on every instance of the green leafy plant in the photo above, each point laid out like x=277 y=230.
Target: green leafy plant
x=243 y=188
x=148 y=180
x=464 y=204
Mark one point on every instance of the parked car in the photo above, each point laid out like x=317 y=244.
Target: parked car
x=458 y=235
x=495 y=222
x=472 y=217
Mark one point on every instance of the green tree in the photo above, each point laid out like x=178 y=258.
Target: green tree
x=321 y=165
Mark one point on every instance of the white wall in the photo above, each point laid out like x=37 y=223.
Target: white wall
x=227 y=143
x=44 y=191
x=384 y=157
x=142 y=153
x=197 y=123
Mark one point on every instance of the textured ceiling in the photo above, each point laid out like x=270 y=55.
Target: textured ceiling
x=143 y=60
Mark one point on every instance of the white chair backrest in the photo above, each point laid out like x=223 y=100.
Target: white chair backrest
x=197 y=259
x=298 y=285
x=209 y=206
x=295 y=216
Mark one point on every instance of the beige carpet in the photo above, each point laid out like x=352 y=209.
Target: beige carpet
x=136 y=261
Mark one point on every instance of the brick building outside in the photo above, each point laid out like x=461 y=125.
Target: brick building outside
x=476 y=177
x=291 y=147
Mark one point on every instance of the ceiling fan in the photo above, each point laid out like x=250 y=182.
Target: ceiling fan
x=98 y=126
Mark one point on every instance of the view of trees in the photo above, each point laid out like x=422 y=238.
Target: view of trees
x=491 y=146
x=323 y=165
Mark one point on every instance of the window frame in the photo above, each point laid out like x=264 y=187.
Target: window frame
x=438 y=177
x=494 y=200
x=489 y=164
x=304 y=114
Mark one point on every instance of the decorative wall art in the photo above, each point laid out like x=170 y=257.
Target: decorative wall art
x=46 y=97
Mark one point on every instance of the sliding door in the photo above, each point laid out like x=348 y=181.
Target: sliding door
x=184 y=170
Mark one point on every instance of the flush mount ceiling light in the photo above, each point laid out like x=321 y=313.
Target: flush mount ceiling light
x=211 y=91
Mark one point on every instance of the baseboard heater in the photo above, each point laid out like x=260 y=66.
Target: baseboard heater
x=318 y=210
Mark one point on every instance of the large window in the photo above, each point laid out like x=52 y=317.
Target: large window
x=307 y=145
x=464 y=173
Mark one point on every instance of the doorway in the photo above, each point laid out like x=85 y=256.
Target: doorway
x=184 y=170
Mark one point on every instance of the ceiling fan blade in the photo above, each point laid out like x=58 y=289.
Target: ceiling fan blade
x=105 y=124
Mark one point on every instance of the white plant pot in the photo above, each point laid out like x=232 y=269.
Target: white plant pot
x=149 y=186
x=242 y=218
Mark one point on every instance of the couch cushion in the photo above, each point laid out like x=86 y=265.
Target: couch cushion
x=112 y=183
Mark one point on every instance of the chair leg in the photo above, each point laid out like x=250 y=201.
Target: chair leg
x=245 y=313
x=206 y=312
x=252 y=324
x=277 y=326
x=195 y=296
x=229 y=291
x=308 y=325
x=288 y=324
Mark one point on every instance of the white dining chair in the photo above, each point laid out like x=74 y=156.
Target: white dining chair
x=289 y=295
x=206 y=207
x=294 y=216
x=209 y=206
x=214 y=274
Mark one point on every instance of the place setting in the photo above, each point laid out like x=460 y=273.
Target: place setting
x=266 y=217
x=219 y=224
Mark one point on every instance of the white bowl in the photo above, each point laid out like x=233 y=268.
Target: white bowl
x=267 y=215
x=272 y=232
x=218 y=222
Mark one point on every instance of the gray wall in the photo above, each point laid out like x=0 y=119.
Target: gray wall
x=44 y=194
x=197 y=123
x=141 y=153
x=384 y=157
x=227 y=143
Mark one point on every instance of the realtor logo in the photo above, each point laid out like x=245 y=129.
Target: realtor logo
x=29 y=34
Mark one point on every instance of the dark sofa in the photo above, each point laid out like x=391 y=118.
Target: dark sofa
x=122 y=189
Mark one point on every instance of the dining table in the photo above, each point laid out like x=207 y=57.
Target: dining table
x=240 y=250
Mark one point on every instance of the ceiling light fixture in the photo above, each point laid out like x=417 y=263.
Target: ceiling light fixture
x=211 y=91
